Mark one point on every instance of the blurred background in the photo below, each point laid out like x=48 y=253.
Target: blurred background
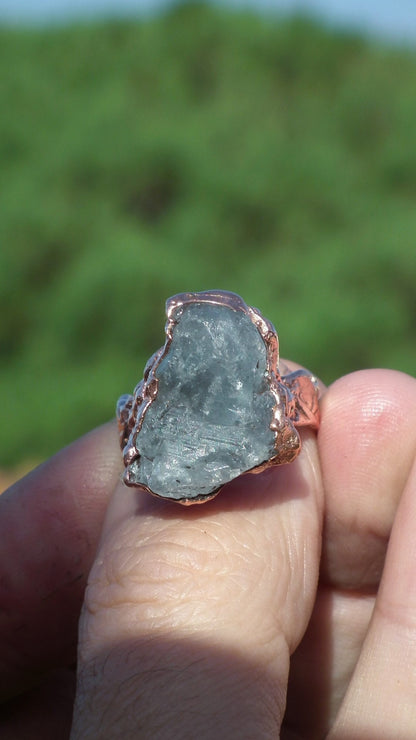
x=151 y=148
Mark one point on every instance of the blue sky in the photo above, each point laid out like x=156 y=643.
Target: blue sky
x=395 y=19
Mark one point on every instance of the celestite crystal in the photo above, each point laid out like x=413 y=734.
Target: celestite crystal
x=210 y=420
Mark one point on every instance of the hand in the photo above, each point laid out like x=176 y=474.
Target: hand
x=191 y=615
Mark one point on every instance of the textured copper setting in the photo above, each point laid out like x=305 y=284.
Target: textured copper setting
x=296 y=394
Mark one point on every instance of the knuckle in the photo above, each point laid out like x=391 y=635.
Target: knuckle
x=159 y=577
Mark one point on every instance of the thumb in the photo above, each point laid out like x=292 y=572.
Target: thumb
x=191 y=614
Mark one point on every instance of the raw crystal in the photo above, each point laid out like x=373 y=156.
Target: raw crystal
x=210 y=420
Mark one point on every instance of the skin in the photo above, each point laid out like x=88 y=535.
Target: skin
x=191 y=617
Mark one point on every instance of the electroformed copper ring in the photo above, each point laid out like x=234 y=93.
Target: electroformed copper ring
x=212 y=403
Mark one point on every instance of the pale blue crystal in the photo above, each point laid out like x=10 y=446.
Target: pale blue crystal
x=210 y=420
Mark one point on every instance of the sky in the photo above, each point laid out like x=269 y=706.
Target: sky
x=391 y=19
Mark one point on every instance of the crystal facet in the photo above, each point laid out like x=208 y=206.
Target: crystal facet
x=211 y=417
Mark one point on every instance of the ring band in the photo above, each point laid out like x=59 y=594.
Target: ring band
x=212 y=403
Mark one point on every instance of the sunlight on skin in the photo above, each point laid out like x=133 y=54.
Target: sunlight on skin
x=184 y=607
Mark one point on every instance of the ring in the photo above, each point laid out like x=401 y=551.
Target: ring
x=212 y=403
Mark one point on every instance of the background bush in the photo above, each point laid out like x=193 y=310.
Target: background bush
x=203 y=149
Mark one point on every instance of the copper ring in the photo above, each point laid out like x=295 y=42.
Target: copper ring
x=293 y=397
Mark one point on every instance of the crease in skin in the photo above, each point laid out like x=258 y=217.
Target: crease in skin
x=305 y=561
x=174 y=598
x=313 y=465
x=169 y=588
x=168 y=560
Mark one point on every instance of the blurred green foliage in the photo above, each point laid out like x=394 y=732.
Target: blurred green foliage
x=202 y=149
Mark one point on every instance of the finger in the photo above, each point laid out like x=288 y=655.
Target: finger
x=367 y=441
x=191 y=613
x=49 y=527
x=322 y=665
x=381 y=699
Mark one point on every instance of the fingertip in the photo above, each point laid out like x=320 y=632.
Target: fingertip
x=366 y=442
x=373 y=392
x=367 y=422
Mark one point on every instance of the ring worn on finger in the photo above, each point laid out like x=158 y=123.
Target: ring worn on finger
x=212 y=404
